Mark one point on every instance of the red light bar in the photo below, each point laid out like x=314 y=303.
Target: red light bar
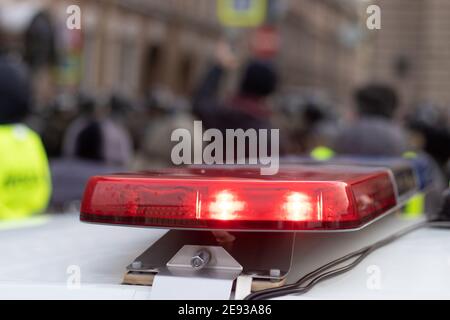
x=304 y=198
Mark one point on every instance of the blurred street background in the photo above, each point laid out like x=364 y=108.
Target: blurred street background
x=106 y=96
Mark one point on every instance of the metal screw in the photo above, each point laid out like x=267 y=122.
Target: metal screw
x=200 y=259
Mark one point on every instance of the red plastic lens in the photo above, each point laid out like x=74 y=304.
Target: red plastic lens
x=300 y=198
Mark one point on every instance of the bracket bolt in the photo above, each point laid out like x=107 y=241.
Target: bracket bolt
x=200 y=259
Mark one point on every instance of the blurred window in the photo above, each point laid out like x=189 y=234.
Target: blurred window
x=185 y=73
x=152 y=66
x=40 y=47
x=127 y=65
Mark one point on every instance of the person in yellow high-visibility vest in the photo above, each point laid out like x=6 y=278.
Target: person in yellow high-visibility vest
x=25 y=185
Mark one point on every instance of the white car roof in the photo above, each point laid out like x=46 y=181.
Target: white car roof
x=36 y=261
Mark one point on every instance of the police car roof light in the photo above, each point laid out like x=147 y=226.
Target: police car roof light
x=299 y=198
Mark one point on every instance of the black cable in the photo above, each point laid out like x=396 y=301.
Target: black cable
x=318 y=275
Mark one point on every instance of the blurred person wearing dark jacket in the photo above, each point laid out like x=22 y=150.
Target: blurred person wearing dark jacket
x=110 y=142
x=429 y=126
x=373 y=132
x=24 y=173
x=248 y=108
x=94 y=144
x=87 y=117
x=317 y=129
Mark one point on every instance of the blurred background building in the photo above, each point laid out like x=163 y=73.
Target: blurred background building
x=412 y=49
x=131 y=45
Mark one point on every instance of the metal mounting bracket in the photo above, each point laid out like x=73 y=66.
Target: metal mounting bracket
x=261 y=255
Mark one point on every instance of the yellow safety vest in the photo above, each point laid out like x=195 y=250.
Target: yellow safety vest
x=25 y=185
x=322 y=153
x=415 y=207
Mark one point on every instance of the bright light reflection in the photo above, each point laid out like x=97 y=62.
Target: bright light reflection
x=225 y=206
x=298 y=206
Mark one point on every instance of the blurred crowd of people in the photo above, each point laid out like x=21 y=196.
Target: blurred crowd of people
x=85 y=135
